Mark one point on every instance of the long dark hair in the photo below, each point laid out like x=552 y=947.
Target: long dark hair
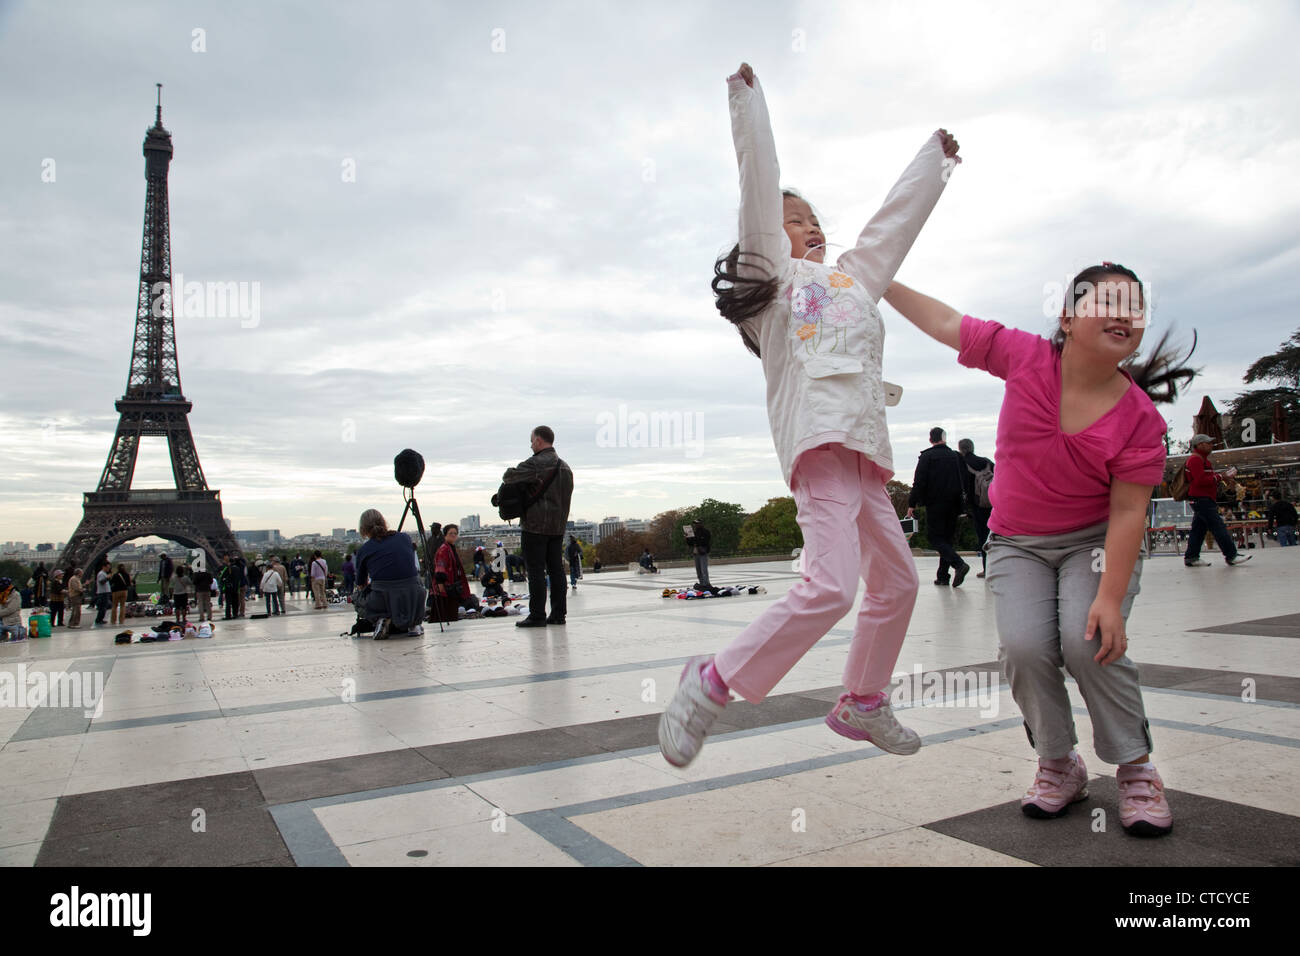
x=739 y=297
x=1161 y=375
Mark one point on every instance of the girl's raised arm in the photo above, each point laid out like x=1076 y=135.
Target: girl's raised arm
x=762 y=228
x=939 y=321
x=889 y=235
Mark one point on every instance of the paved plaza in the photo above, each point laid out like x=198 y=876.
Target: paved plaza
x=281 y=742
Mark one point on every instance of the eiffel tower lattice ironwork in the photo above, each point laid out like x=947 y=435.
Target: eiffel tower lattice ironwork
x=153 y=406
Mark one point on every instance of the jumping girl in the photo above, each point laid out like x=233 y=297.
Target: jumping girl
x=1080 y=446
x=820 y=338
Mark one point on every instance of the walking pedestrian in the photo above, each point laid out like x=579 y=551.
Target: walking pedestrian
x=1202 y=494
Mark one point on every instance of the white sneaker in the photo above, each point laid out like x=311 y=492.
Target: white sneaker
x=689 y=716
x=877 y=725
x=1240 y=559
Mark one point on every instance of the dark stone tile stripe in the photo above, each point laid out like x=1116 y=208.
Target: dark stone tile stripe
x=1267 y=687
x=65 y=721
x=1207 y=833
x=574 y=840
x=1284 y=625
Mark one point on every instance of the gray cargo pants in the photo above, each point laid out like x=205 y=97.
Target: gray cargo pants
x=1043 y=586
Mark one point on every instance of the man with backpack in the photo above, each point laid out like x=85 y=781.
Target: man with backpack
x=937 y=486
x=977 y=482
x=542 y=524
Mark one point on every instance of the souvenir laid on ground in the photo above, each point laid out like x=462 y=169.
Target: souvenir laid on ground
x=731 y=590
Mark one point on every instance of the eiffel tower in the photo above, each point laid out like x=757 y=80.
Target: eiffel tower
x=153 y=406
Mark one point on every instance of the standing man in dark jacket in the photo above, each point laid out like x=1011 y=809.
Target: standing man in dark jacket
x=701 y=544
x=977 y=504
x=937 y=487
x=542 y=525
x=1282 y=516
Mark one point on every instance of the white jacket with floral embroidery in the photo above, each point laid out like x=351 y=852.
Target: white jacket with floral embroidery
x=822 y=338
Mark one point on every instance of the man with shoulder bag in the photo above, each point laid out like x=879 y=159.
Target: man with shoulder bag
x=543 y=487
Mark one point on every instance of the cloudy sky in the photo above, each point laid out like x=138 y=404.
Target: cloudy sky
x=461 y=223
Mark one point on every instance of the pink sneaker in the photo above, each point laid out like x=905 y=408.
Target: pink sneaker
x=1057 y=784
x=1143 y=810
x=877 y=725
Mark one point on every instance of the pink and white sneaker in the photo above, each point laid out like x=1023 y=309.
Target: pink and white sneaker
x=1058 y=783
x=851 y=719
x=1143 y=809
x=690 y=714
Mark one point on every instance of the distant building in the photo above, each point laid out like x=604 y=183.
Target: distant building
x=470 y=523
x=264 y=536
x=608 y=527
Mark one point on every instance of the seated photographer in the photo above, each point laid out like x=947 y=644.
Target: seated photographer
x=647 y=561
x=451 y=584
x=492 y=583
x=388 y=577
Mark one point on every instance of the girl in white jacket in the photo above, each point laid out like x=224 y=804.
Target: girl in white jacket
x=820 y=338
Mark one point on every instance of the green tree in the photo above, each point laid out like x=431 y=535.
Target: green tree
x=1282 y=370
x=772 y=528
x=664 y=532
x=621 y=547
x=19 y=572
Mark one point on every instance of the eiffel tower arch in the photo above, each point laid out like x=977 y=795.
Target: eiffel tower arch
x=152 y=406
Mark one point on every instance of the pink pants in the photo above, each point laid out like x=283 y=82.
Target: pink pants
x=850 y=529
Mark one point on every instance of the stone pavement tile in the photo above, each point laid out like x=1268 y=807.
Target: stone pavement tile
x=1265 y=686
x=25 y=822
x=157 y=803
x=465 y=757
x=721 y=758
x=1207 y=833
x=24 y=855
x=936 y=782
x=623 y=733
x=1165 y=675
x=364 y=821
x=1275 y=721
x=133 y=776
x=747 y=825
x=549 y=789
x=285 y=860
x=782 y=709
x=31 y=761
x=914 y=847
x=1244 y=771
x=327 y=778
x=469 y=844
x=232 y=837
x=1285 y=625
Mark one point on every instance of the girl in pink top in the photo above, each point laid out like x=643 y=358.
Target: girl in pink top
x=1080 y=446
x=819 y=335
